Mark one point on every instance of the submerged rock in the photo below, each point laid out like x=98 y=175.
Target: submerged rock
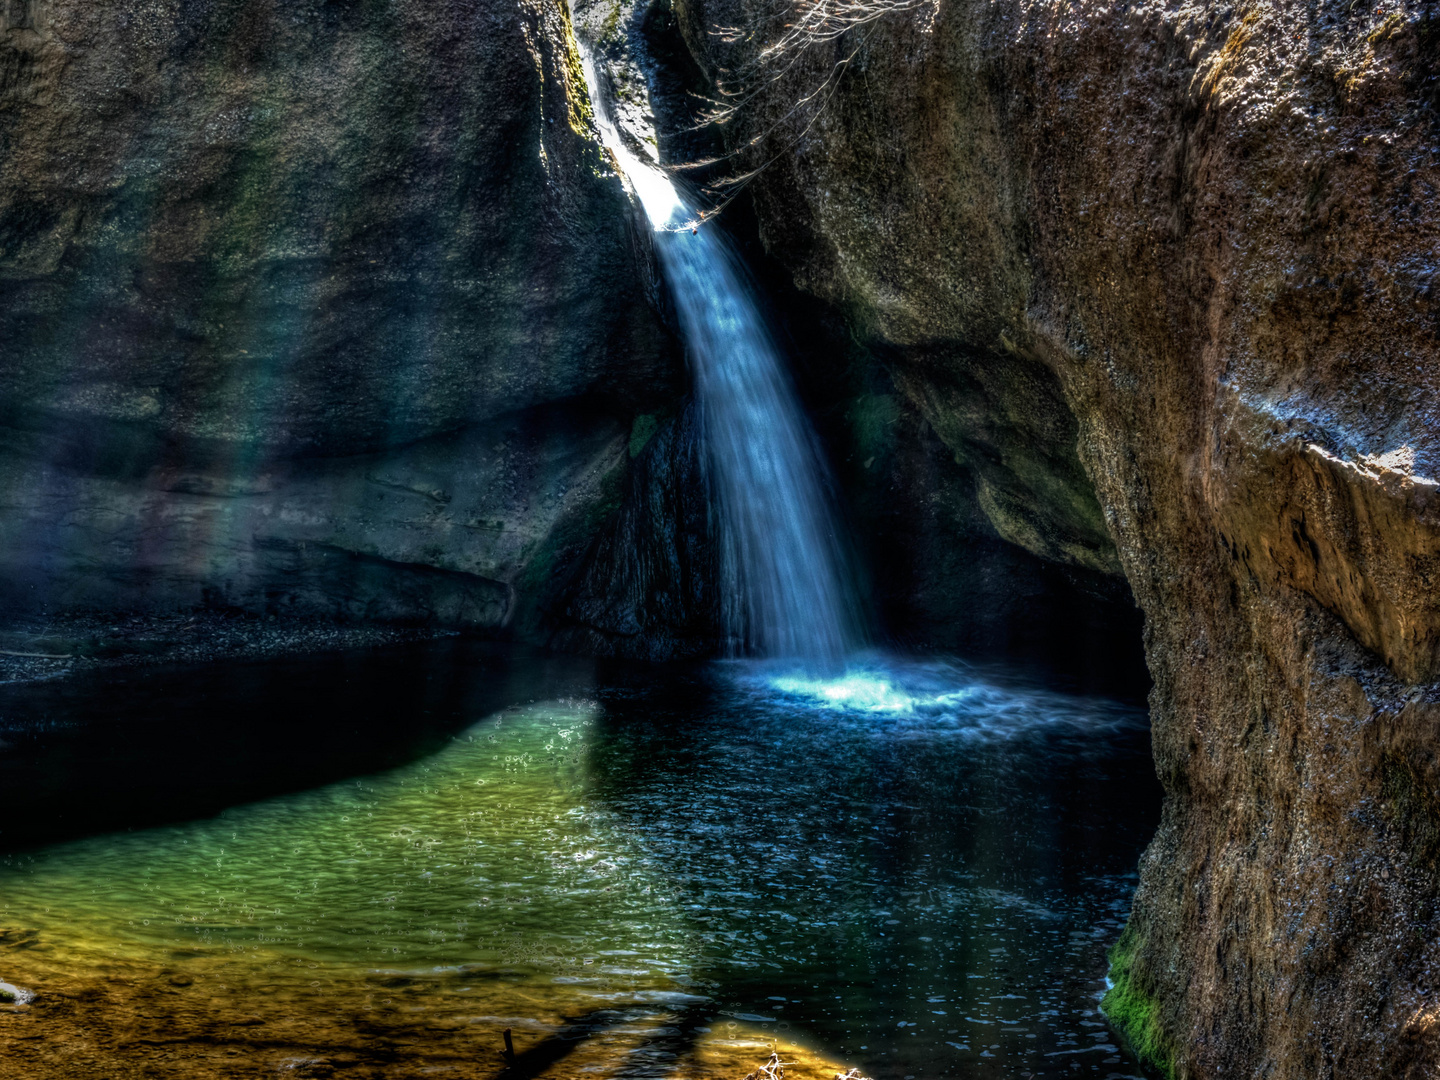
x=15 y=995
x=1191 y=250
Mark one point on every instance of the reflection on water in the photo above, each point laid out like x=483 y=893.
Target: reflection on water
x=913 y=868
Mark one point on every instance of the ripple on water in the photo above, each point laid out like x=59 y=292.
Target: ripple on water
x=819 y=861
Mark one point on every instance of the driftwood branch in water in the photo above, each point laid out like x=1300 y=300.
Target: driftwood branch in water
x=774 y=1069
x=38 y=655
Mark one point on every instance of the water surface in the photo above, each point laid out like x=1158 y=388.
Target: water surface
x=915 y=869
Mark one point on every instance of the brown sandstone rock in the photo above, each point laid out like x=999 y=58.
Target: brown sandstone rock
x=1217 y=230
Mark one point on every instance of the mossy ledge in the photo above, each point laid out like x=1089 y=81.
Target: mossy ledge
x=1133 y=1012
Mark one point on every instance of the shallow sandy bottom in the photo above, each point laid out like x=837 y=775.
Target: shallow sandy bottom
x=255 y=1015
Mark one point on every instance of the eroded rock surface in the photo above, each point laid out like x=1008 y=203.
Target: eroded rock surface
x=325 y=307
x=1213 y=233
x=647 y=589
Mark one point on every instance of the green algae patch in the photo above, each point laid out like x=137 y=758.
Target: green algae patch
x=641 y=432
x=1134 y=1014
x=580 y=112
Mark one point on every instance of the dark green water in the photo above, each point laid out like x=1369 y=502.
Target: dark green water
x=916 y=869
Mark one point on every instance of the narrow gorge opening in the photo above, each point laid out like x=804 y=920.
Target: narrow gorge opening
x=946 y=532
x=453 y=623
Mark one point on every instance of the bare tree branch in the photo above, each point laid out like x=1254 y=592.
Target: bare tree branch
x=795 y=28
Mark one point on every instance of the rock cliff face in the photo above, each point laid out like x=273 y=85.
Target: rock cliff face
x=323 y=307
x=1166 y=279
x=963 y=556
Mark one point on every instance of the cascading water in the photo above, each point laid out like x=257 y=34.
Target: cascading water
x=786 y=586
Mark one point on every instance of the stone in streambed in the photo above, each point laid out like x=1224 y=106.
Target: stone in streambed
x=11 y=994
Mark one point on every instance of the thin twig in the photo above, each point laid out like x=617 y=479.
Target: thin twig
x=804 y=25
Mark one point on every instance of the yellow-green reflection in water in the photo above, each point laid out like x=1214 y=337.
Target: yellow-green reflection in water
x=918 y=865
x=474 y=890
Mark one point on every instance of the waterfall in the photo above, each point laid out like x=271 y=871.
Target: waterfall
x=786 y=585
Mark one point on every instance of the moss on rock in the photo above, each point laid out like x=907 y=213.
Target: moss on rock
x=1133 y=1012
x=641 y=431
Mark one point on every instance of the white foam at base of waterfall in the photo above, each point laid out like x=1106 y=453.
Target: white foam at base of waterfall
x=935 y=697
